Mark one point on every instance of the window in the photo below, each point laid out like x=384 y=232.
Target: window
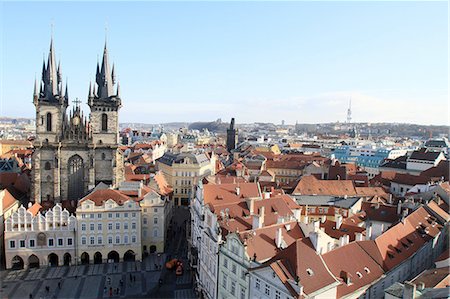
x=69 y=241
x=267 y=290
x=91 y=226
x=144 y=233
x=99 y=240
x=125 y=239
x=133 y=214
x=155 y=220
x=32 y=243
x=92 y=240
x=225 y=263
x=47 y=166
x=155 y=233
x=99 y=216
x=22 y=243
x=156 y=210
x=277 y=294
x=233 y=288
x=109 y=215
x=233 y=268
x=117 y=215
x=103 y=156
x=125 y=215
x=83 y=240
x=117 y=239
x=117 y=225
x=110 y=240
x=12 y=244
x=133 y=239
x=109 y=226
x=91 y=216
x=99 y=226
x=258 y=284
x=104 y=122
x=83 y=226
x=133 y=225
x=60 y=242
x=145 y=220
x=49 y=122
x=224 y=281
x=125 y=225
x=51 y=242
x=242 y=293
x=83 y=216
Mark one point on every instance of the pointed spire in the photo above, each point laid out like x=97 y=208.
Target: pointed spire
x=118 y=90
x=104 y=78
x=66 y=93
x=113 y=75
x=35 y=92
x=59 y=72
x=90 y=90
x=50 y=75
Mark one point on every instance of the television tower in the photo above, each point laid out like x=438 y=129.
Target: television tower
x=349 y=112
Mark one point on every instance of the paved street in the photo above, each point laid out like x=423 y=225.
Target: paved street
x=139 y=280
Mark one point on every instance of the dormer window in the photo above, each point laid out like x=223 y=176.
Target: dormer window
x=366 y=270
x=359 y=274
x=310 y=272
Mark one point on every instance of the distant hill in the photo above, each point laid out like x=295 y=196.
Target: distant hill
x=215 y=126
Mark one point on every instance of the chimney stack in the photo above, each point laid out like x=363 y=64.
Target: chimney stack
x=258 y=220
x=250 y=205
x=238 y=190
x=358 y=236
x=410 y=290
x=278 y=238
x=399 y=207
x=339 y=219
x=369 y=233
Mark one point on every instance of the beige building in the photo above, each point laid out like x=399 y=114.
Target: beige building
x=33 y=239
x=109 y=227
x=182 y=171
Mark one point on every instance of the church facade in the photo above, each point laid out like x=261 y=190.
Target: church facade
x=73 y=152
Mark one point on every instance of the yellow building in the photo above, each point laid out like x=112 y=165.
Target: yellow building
x=182 y=171
x=7 y=145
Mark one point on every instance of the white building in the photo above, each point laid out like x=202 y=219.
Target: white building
x=109 y=227
x=33 y=239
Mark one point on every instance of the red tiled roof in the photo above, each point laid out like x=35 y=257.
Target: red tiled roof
x=403 y=239
x=353 y=262
x=8 y=200
x=345 y=229
x=380 y=212
x=309 y=185
x=436 y=209
x=301 y=261
x=34 y=209
x=99 y=197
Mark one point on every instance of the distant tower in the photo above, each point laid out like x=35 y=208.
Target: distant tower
x=232 y=136
x=349 y=112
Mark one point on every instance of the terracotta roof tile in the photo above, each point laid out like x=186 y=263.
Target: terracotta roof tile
x=8 y=200
x=309 y=185
x=34 y=209
x=99 y=197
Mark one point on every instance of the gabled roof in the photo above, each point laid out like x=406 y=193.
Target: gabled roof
x=7 y=201
x=310 y=185
x=261 y=242
x=99 y=197
x=34 y=209
x=353 y=262
x=300 y=262
x=424 y=155
x=345 y=229
x=403 y=239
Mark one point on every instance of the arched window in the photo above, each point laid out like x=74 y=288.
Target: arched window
x=103 y=156
x=47 y=165
x=104 y=122
x=49 y=122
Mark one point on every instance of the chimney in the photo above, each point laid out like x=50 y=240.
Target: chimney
x=314 y=237
x=358 y=236
x=278 y=238
x=250 y=205
x=30 y=204
x=410 y=290
x=261 y=215
x=258 y=220
x=399 y=207
x=316 y=225
x=369 y=233
x=329 y=246
x=323 y=218
x=266 y=195
x=238 y=190
x=338 y=221
x=390 y=198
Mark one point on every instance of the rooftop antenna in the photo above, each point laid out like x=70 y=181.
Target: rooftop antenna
x=349 y=112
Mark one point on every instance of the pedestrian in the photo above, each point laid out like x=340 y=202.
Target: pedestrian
x=31 y=296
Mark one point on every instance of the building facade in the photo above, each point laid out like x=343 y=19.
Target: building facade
x=108 y=228
x=33 y=239
x=74 y=153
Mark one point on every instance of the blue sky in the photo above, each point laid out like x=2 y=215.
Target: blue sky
x=256 y=61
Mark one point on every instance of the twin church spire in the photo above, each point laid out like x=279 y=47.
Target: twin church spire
x=50 y=87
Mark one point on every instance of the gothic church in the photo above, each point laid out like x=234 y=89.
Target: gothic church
x=74 y=153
